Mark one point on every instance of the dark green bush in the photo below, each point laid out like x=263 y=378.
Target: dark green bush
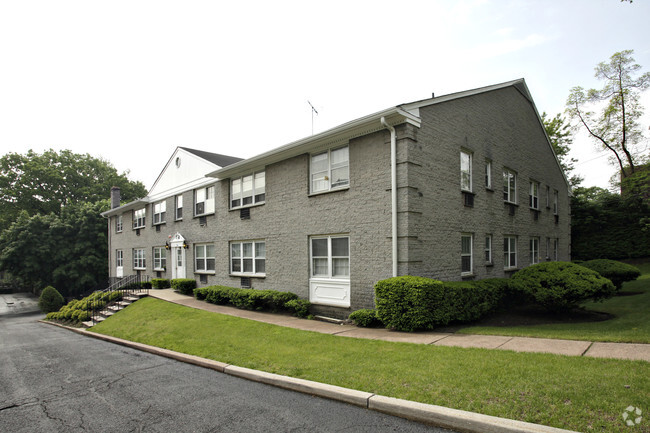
x=146 y=285
x=160 y=283
x=50 y=300
x=299 y=307
x=366 y=318
x=249 y=299
x=617 y=272
x=561 y=286
x=410 y=303
x=185 y=286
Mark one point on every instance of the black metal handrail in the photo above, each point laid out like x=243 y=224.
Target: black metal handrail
x=116 y=292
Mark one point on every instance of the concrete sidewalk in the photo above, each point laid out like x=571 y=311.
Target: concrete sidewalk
x=517 y=344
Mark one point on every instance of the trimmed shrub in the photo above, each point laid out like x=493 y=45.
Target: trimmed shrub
x=160 y=283
x=617 y=272
x=299 y=307
x=561 y=286
x=251 y=299
x=365 y=318
x=146 y=285
x=410 y=303
x=50 y=300
x=185 y=286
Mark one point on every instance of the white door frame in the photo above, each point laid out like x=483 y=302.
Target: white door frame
x=177 y=245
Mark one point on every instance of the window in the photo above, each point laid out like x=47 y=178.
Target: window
x=509 y=186
x=119 y=258
x=556 y=245
x=139 y=261
x=159 y=212
x=466 y=254
x=330 y=257
x=204 y=201
x=548 y=248
x=139 y=217
x=488 y=248
x=534 y=251
x=509 y=252
x=248 y=258
x=533 y=195
x=465 y=171
x=119 y=225
x=204 y=260
x=159 y=258
x=488 y=174
x=248 y=190
x=179 y=207
x=555 y=196
x=548 y=197
x=330 y=170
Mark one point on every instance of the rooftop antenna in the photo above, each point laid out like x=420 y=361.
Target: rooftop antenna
x=313 y=110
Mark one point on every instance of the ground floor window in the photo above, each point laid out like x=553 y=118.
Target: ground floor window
x=534 y=251
x=509 y=252
x=556 y=247
x=119 y=258
x=466 y=253
x=248 y=258
x=159 y=258
x=139 y=261
x=330 y=257
x=204 y=260
x=488 y=249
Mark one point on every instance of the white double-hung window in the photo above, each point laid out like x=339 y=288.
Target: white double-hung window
x=159 y=258
x=330 y=257
x=465 y=171
x=466 y=253
x=179 y=207
x=204 y=201
x=509 y=186
x=159 y=212
x=139 y=217
x=119 y=225
x=509 y=252
x=139 y=261
x=534 y=250
x=248 y=190
x=533 y=195
x=248 y=258
x=330 y=170
x=204 y=259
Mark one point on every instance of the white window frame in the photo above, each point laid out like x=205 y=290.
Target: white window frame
x=509 y=186
x=555 y=200
x=533 y=195
x=119 y=224
x=556 y=248
x=330 y=258
x=465 y=171
x=488 y=249
x=256 y=194
x=509 y=252
x=548 y=197
x=139 y=218
x=178 y=207
x=139 y=259
x=159 y=212
x=205 y=197
x=534 y=250
x=256 y=258
x=324 y=176
x=204 y=259
x=159 y=258
x=464 y=253
x=119 y=258
x=488 y=174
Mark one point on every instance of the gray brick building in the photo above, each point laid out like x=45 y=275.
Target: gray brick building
x=462 y=186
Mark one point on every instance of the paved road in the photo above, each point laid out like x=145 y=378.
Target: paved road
x=54 y=380
x=18 y=303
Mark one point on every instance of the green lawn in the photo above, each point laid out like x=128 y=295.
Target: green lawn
x=631 y=323
x=582 y=394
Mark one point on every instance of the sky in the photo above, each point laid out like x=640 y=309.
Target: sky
x=129 y=81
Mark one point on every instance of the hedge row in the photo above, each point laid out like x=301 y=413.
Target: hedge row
x=160 y=283
x=251 y=299
x=184 y=285
x=77 y=309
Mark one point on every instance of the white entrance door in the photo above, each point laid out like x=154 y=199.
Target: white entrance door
x=177 y=244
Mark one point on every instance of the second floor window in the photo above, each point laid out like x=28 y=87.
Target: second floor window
x=330 y=170
x=139 y=217
x=159 y=212
x=488 y=174
x=119 y=225
x=465 y=171
x=509 y=186
x=555 y=197
x=204 y=200
x=179 y=207
x=248 y=190
x=533 y=195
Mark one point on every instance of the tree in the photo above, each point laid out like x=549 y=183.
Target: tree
x=616 y=127
x=48 y=182
x=561 y=137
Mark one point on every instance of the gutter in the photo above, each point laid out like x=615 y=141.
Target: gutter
x=393 y=189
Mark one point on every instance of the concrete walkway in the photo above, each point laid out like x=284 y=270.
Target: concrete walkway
x=517 y=344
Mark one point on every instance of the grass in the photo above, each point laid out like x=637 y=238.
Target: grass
x=584 y=394
x=630 y=322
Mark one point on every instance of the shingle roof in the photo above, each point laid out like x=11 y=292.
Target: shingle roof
x=215 y=158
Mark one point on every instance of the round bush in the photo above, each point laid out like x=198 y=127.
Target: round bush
x=618 y=272
x=365 y=318
x=561 y=286
x=50 y=300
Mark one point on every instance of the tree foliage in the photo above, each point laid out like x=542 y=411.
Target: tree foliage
x=68 y=251
x=561 y=137
x=616 y=126
x=49 y=182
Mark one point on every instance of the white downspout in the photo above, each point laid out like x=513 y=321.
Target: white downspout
x=393 y=189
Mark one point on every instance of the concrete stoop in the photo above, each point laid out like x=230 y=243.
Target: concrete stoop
x=113 y=308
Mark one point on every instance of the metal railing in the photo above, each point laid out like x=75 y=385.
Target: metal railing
x=100 y=300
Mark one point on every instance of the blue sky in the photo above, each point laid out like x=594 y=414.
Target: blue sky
x=131 y=80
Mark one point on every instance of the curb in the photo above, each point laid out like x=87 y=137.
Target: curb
x=439 y=416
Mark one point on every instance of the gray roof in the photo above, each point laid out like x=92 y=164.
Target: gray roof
x=215 y=158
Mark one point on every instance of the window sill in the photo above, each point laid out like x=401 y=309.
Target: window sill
x=160 y=223
x=205 y=272
x=138 y=228
x=511 y=203
x=160 y=269
x=489 y=189
x=343 y=188
x=489 y=264
x=178 y=219
x=467 y=275
x=510 y=269
x=248 y=206
x=203 y=215
x=139 y=269
x=242 y=274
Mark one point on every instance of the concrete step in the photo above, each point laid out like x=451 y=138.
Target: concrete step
x=88 y=324
x=124 y=303
x=115 y=307
x=107 y=313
